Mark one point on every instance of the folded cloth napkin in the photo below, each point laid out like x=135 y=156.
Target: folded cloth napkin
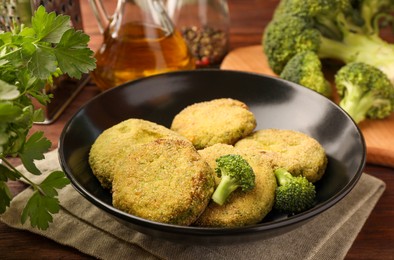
x=83 y=226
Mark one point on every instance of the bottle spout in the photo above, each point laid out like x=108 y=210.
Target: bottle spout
x=102 y=17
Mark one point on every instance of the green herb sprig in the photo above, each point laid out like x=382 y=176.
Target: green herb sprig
x=30 y=57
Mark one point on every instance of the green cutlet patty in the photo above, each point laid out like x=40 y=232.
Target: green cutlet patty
x=165 y=181
x=116 y=142
x=207 y=123
x=241 y=208
x=297 y=152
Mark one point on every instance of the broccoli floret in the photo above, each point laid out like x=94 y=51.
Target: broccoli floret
x=235 y=172
x=305 y=68
x=365 y=91
x=322 y=12
x=280 y=9
x=294 y=194
x=295 y=30
x=285 y=37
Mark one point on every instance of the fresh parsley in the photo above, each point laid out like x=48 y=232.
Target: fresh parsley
x=30 y=57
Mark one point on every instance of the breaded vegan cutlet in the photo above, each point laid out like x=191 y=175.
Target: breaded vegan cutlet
x=165 y=180
x=207 y=123
x=297 y=152
x=117 y=141
x=241 y=208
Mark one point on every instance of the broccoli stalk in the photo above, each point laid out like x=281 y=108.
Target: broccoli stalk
x=235 y=172
x=356 y=104
x=365 y=91
x=355 y=47
x=371 y=11
x=294 y=194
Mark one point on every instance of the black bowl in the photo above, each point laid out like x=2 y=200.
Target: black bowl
x=276 y=104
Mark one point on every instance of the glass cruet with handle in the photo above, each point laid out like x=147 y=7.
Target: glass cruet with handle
x=139 y=40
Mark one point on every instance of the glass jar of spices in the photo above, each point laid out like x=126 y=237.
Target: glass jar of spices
x=204 y=24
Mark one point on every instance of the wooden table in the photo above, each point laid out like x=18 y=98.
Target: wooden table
x=248 y=19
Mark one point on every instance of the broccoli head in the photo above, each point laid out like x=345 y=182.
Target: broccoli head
x=365 y=91
x=312 y=8
x=294 y=194
x=328 y=28
x=289 y=35
x=305 y=68
x=284 y=38
x=235 y=172
x=322 y=12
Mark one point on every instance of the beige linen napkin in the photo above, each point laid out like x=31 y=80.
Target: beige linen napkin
x=81 y=225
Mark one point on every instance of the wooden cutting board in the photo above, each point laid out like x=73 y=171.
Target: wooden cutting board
x=378 y=134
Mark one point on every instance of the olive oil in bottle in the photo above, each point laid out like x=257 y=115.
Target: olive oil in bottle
x=139 y=51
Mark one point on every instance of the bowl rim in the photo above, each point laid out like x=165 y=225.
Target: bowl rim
x=210 y=231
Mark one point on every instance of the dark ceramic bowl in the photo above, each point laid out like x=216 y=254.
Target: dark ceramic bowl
x=276 y=104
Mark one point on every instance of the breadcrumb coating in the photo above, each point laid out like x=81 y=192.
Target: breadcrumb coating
x=165 y=181
x=207 y=123
x=114 y=143
x=298 y=153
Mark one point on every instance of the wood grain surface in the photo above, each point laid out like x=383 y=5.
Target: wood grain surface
x=378 y=134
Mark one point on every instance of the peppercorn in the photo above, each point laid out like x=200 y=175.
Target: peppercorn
x=208 y=45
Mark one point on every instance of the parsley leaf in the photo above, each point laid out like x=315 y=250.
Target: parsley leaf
x=8 y=91
x=70 y=54
x=49 y=27
x=7 y=174
x=5 y=197
x=9 y=111
x=55 y=180
x=34 y=149
x=39 y=210
x=42 y=63
x=44 y=203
